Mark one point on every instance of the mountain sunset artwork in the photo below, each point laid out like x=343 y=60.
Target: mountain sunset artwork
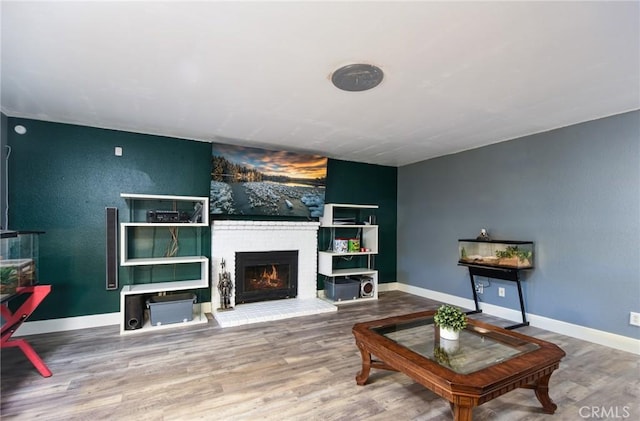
x=253 y=181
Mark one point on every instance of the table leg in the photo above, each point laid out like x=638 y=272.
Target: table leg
x=461 y=413
x=363 y=375
x=13 y=320
x=542 y=393
x=31 y=355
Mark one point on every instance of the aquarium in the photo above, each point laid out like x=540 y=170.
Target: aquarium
x=18 y=261
x=496 y=253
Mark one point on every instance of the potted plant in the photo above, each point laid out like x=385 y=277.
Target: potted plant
x=451 y=321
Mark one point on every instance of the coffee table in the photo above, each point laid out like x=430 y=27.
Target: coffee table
x=486 y=362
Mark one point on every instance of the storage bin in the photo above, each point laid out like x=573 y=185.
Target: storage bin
x=340 y=245
x=167 y=309
x=338 y=289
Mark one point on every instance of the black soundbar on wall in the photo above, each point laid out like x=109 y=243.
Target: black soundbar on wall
x=112 y=248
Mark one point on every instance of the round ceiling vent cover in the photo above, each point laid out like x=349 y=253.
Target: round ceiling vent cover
x=357 y=77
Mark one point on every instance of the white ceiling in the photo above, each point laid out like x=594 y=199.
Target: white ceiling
x=458 y=75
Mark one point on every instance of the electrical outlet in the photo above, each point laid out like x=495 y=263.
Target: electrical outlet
x=480 y=288
x=501 y=292
x=634 y=319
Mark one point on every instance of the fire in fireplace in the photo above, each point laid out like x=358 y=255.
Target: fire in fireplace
x=266 y=275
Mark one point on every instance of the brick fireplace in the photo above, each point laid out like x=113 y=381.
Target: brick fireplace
x=229 y=237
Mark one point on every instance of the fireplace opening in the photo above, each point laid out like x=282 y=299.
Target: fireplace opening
x=266 y=275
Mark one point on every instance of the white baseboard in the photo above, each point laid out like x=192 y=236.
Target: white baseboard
x=600 y=337
x=68 y=323
x=73 y=323
x=623 y=343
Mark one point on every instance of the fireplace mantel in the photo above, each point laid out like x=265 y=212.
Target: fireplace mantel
x=265 y=225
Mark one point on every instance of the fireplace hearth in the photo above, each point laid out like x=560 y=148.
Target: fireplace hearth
x=266 y=275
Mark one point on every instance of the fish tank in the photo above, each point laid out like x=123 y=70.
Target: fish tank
x=496 y=253
x=18 y=261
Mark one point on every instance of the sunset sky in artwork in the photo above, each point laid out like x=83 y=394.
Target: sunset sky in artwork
x=291 y=164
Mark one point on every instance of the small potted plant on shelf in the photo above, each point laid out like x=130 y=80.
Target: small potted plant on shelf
x=451 y=321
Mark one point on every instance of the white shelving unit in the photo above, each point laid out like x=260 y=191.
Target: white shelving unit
x=344 y=218
x=138 y=205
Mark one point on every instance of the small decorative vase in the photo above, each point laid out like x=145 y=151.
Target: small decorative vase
x=450 y=334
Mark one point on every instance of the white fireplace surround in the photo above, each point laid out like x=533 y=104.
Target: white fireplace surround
x=231 y=236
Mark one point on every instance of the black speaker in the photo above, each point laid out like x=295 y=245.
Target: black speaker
x=133 y=312
x=112 y=248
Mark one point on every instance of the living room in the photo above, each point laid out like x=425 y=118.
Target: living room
x=572 y=190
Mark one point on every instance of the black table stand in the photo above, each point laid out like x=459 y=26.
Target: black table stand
x=497 y=273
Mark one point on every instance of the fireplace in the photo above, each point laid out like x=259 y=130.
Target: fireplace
x=266 y=275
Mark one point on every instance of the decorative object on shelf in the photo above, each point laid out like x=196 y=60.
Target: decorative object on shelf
x=496 y=253
x=484 y=235
x=225 y=286
x=451 y=321
x=513 y=256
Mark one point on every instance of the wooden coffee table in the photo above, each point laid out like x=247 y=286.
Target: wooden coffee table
x=486 y=362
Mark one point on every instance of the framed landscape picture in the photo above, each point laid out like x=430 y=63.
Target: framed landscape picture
x=252 y=181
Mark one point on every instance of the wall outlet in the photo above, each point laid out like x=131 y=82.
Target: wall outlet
x=634 y=319
x=480 y=288
x=501 y=292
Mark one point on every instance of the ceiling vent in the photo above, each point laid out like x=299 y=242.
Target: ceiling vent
x=357 y=77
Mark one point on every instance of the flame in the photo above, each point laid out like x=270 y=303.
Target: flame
x=270 y=276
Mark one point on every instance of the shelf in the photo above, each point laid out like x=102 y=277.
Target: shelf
x=355 y=301
x=349 y=206
x=140 y=238
x=183 y=200
x=342 y=224
x=149 y=261
x=354 y=253
x=349 y=226
x=350 y=272
x=153 y=288
x=328 y=218
x=163 y=224
x=136 y=196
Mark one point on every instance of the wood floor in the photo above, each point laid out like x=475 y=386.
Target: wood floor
x=295 y=369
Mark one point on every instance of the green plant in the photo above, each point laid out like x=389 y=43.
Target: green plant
x=450 y=317
x=513 y=251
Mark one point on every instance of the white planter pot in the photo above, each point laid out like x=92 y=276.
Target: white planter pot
x=449 y=334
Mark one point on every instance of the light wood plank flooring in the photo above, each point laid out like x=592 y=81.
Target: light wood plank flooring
x=295 y=369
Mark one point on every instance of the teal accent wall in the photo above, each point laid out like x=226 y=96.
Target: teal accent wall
x=62 y=176
x=574 y=192
x=367 y=184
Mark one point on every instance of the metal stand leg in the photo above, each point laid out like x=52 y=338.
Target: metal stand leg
x=495 y=273
x=475 y=295
x=524 y=316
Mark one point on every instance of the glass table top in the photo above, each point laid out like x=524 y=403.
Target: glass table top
x=476 y=349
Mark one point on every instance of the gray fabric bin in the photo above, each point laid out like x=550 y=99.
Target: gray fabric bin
x=338 y=289
x=174 y=308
